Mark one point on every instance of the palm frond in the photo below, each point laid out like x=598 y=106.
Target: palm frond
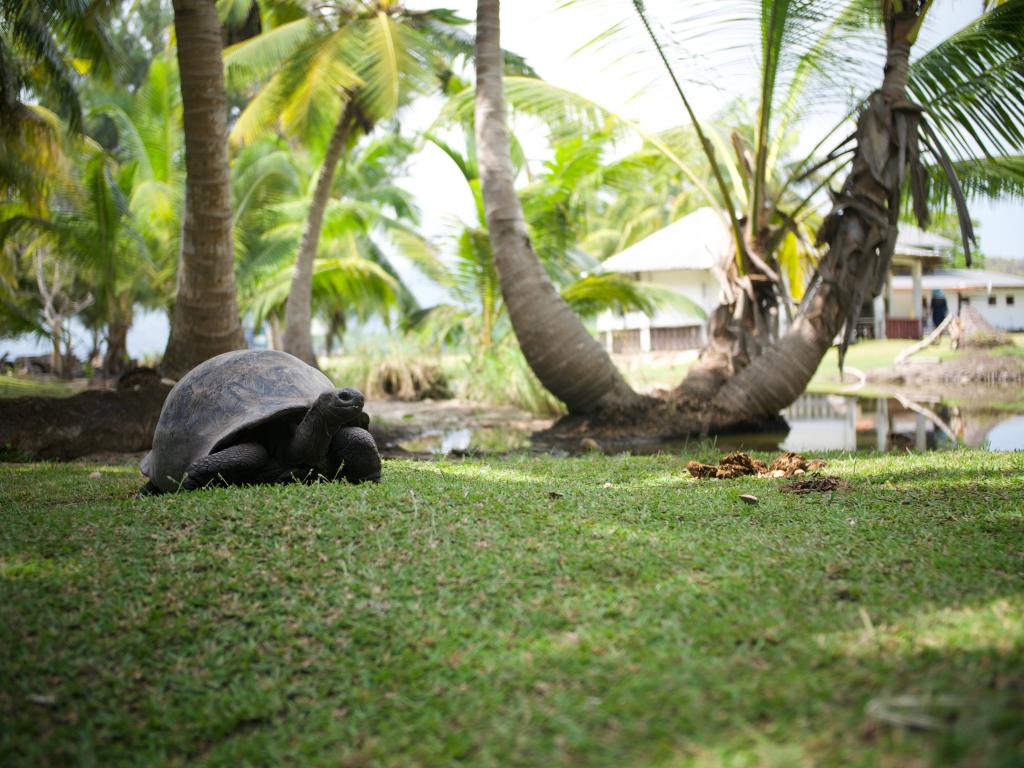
x=552 y=104
x=981 y=178
x=257 y=57
x=595 y=293
x=972 y=84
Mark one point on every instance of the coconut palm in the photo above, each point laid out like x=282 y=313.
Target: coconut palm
x=205 y=319
x=557 y=203
x=41 y=43
x=334 y=73
x=352 y=275
x=566 y=359
x=981 y=64
x=971 y=86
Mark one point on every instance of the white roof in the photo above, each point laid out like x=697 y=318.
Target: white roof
x=959 y=280
x=699 y=240
x=912 y=241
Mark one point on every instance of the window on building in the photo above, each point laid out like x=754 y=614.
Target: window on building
x=991 y=301
x=1009 y=300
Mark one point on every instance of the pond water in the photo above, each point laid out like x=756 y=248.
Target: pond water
x=816 y=423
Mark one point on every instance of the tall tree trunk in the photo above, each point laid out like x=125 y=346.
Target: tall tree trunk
x=274 y=328
x=860 y=232
x=117 y=347
x=298 y=312
x=567 y=360
x=204 y=321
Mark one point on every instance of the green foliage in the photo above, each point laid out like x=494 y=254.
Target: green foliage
x=599 y=611
x=272 y=187
x=972 y=84
x=494 y=375
x=44 y=45
x=576 y=197
x=500 y=375
x=308 y=67
x=992 y=178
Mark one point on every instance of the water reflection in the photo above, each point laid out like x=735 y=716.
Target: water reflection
x=816 y=423
x=832 y=422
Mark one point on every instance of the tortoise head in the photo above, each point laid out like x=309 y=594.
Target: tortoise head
x=340 y=407
x=330 y=412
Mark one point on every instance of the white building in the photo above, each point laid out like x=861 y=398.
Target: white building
x=687 y=255
x=916 y=253
x=684 y=257
x=997 y=297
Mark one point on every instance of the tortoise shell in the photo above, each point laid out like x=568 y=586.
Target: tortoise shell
x=221 y=397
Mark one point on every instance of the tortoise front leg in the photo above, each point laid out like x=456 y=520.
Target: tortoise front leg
x=235 y=465
x=353 y=454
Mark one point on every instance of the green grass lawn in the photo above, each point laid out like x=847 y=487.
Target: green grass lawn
x=18 y=386
x=596 y=611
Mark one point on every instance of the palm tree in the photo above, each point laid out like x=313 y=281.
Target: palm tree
x=980 y=64
x=38 y=41
x=348 y=65
x=555 y=206
x=567 y=360
x=273 y=185
x=205 y=319
x=971 y=85
x=334 y=73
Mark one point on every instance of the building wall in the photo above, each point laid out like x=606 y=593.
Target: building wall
x=698 y=285
x=1008 y=317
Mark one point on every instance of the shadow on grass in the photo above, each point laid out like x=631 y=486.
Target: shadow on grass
x=462 y=613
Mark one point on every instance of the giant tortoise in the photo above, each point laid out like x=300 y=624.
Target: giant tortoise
x=259 y=416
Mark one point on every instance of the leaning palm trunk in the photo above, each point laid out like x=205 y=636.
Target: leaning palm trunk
x=567 y=360
x=298 y=313
x=860 y=232
x=204 y=321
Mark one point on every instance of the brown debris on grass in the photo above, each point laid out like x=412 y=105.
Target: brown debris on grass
x=739 y=464
x=790 y=464
x=701 y=471
x=816 y=484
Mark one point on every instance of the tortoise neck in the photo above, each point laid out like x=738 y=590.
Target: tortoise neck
x=311 y=439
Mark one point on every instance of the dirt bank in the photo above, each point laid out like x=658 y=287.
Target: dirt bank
x=977 y=368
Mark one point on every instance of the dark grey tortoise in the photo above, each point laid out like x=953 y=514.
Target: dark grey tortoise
x=259 y=416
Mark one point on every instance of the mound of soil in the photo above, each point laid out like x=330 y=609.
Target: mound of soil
x=979 y=368
x=970 y=330
x=95 y=421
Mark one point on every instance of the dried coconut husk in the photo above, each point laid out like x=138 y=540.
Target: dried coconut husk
x=739 y=464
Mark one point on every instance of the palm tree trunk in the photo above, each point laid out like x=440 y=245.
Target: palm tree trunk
x=566 y=359
x=298 y=313
x=274 y=328
x=117 y=347
x=860 y=233
x=204 y=321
